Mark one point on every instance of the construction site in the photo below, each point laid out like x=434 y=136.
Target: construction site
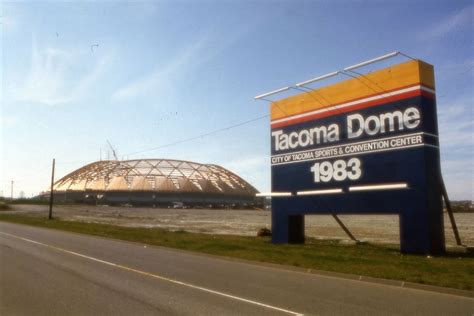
x=155 y=182
x=370 y=228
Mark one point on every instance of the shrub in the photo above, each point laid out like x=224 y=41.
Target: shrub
x=4 y=206
x=263 y=232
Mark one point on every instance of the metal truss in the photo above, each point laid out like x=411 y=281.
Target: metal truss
x=154 y=175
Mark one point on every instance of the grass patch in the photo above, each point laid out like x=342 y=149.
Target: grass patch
x=451 y=270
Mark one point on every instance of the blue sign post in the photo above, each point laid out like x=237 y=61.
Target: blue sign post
x=366 y=145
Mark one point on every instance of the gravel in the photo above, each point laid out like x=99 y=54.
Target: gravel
x=372 y=228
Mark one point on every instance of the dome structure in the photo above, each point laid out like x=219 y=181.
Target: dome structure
x=154 y=182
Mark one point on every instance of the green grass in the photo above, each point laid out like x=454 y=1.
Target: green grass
x=451 y=270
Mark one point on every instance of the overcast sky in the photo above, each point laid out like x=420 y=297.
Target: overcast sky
x=152 y=73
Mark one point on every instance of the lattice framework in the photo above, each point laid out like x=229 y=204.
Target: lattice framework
x=154 y=175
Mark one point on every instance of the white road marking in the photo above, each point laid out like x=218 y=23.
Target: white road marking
x=156 y=276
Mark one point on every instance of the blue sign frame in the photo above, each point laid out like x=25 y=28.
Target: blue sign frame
x=364 y=157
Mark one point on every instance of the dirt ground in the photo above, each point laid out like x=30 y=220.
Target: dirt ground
x=373 y=228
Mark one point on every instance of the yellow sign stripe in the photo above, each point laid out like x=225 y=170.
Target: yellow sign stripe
x=387 y=79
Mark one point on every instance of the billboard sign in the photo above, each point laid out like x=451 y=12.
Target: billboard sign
x=366 y=145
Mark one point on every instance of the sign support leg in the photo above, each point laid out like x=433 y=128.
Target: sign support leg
x=346 y=230
x=450 y=213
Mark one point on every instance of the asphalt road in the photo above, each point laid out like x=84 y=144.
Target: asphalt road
x=47 y=272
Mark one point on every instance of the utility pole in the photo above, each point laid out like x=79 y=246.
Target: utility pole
x=11 y=193
x=50 y=216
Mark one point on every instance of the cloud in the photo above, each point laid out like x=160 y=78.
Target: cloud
x=456 y=132
x=452 y=23
x=200 y=52
x=450 y=70
x=54 y=77
x=456 y=126
x=161 y=77
x=7 y=22
x=9 y=121
x=11 y=17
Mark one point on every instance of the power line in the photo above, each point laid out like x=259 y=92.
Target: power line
x=200 y=136
x=180 y=141
x=176 y=142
